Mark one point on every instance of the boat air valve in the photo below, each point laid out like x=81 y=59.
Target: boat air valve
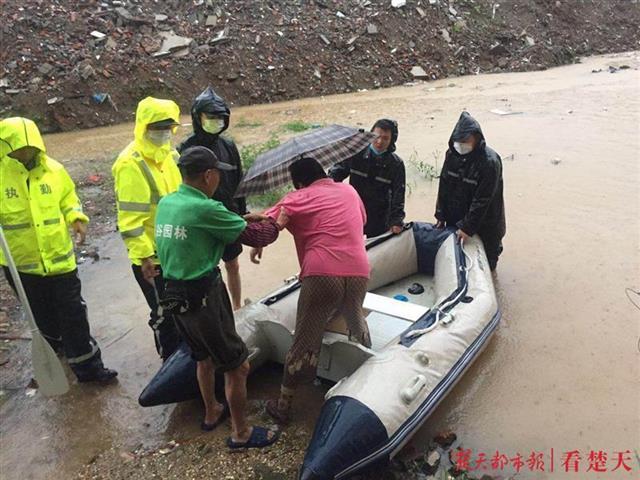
x=422 y=358
x=411 y=391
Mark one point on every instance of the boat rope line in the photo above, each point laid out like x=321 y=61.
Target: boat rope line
x=431 y=402
x=431 y=319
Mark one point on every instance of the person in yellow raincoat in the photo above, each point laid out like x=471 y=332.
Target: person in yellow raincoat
x=38 y=205
x=144 y=172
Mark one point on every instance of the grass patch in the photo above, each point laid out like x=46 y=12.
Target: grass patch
x=244 y=123
x=298 y=126
x=260 y=202
x=424 y=168
x=248 y=154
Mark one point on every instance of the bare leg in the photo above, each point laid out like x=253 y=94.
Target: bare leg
x=233 y=281
x=235 y=385
x=206 y=382
x=236 y=391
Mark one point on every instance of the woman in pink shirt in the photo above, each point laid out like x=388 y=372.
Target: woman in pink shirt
x=326 y=220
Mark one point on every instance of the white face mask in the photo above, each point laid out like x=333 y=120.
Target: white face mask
x=213 y=125
x=462 y=148
x=159 y=137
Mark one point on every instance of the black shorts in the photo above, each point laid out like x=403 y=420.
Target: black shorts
x=211 y=331
x=231 y=252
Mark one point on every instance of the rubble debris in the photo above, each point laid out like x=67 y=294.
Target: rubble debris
x=46 y=69
x=498 y=49
x=117 y=37
x=223 y=36
x=372 y=29
x=85 y=70
x=172 y=43
x=100 y=98
x=419 y=73
x=493 y=10
x=126 y=16
x=502 y=113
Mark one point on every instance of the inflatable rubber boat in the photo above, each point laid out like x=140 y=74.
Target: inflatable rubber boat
x=431 y=308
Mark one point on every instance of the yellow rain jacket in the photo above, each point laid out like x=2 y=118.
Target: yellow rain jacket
x=144 y=173
x=37 y=205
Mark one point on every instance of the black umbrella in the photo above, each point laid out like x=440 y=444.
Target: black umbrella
x=328 y=145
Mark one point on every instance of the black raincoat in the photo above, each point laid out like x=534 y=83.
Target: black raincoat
x=380 y=182
x=209 y=102
x=470 y=194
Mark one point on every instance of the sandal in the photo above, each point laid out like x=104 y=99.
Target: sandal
x=280 y=416
x=259 y=439
x=207 y=427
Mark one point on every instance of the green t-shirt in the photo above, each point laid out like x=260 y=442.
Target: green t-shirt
x=191 y=233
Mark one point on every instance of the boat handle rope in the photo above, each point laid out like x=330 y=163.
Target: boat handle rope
x=440 y=309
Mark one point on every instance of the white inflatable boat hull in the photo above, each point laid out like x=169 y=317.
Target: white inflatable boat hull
x=421 y=347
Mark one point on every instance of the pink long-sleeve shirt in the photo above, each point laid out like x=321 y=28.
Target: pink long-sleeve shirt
x=326 y=220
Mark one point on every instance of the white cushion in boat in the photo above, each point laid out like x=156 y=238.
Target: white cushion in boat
x=393 y=307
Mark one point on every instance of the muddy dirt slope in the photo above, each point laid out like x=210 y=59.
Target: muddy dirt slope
x=71 y=64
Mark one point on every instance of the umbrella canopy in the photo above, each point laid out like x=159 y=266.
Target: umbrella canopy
x=328 y=145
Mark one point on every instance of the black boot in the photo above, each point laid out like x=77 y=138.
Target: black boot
x=99 y=375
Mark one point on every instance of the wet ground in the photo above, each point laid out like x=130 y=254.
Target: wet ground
x=562 y=371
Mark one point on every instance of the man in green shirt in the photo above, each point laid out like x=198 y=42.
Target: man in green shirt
x=191 y=233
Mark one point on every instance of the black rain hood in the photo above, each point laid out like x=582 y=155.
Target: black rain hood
x=467 y=125
x=209 y=102
x=391 y=125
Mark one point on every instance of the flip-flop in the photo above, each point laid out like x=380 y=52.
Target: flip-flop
x=259 y=439
x=278 y=415
x=207 y=427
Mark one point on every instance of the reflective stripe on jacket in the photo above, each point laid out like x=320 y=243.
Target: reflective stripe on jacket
x=36 y=205
x=380 y=182
x=143 y=174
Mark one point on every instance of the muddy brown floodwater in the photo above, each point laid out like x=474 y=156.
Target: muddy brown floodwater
x=562 y=371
